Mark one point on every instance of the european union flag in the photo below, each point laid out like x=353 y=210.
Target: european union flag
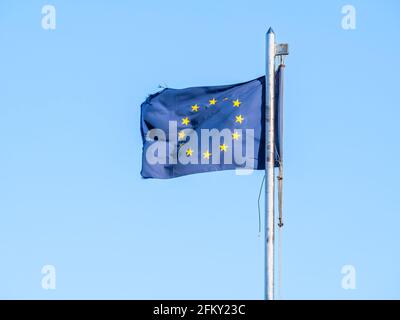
x=203 y=129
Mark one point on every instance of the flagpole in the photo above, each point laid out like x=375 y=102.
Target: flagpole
x=270 y=162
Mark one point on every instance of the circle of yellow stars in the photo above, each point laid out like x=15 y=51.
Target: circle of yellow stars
x=195 y=108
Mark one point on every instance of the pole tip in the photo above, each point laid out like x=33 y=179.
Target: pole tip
x=270 y=30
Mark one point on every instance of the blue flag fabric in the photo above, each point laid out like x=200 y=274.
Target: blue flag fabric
x=279 y=115
x=203 y=129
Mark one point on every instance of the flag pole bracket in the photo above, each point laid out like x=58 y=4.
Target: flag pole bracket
x=281 y=49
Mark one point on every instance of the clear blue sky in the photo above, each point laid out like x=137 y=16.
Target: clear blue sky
x=70 y=189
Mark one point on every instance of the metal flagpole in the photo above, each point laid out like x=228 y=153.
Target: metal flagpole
x=270 y=162
x=273 y=50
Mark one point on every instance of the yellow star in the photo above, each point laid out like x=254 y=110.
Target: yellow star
x=181 y=135
x=206 y=155
x=185 y=121
x=223 y=147
x=212 y=101
x=236 y=103
x=189 y=152
x=195 y=108
x=235 y=136
x=239 y=119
